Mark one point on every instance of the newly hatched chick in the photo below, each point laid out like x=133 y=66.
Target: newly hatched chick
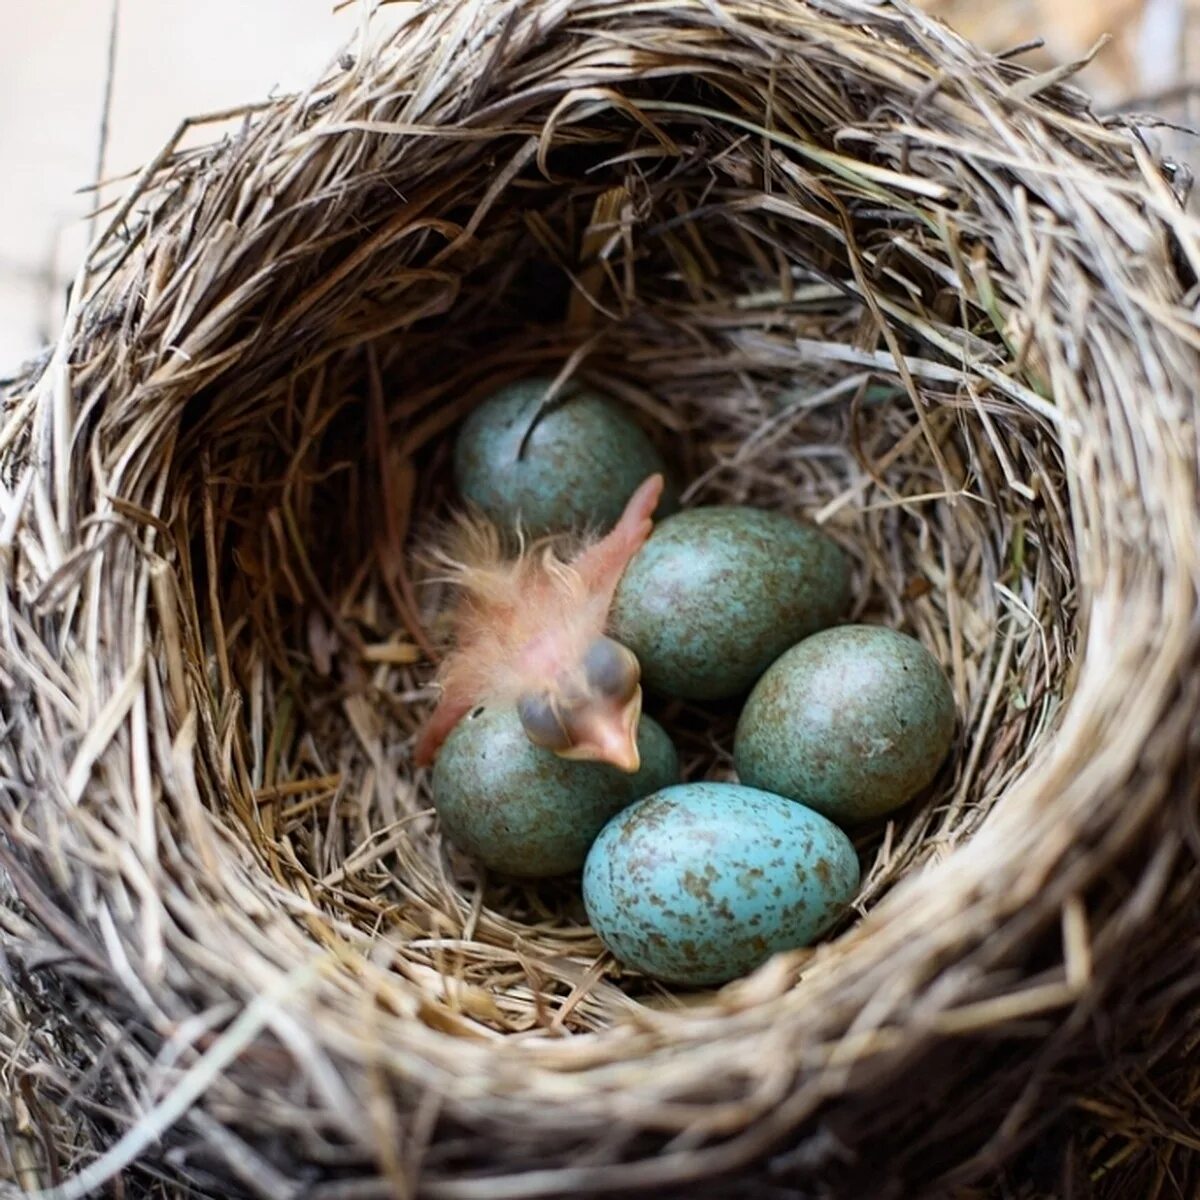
x=529 y=631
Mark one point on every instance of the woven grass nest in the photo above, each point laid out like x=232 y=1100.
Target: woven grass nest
x=840 y=264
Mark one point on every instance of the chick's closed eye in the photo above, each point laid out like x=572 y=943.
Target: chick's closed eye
x=611 y=670
x=541 y=721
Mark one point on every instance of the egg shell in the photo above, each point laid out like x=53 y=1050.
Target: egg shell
x=520 y=809
x=853 y=722
x=702 y=882
x=718 y=593
x=571 y=464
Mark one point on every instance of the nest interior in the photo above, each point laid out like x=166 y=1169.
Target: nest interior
x=840 y=264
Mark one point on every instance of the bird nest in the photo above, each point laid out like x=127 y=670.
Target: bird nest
x=840 y=264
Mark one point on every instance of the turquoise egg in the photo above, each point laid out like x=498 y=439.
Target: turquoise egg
x=522 y=810
x=853 y=722
x=702 y=882
x=717 y=594
x=571 y=464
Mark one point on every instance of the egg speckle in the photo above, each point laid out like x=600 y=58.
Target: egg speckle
x=852 y=722
x=569 y=464
x=522 y=810
x=717 y=594
x=702 y=882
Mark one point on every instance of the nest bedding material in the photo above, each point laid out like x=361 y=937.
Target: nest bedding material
x=840 y=264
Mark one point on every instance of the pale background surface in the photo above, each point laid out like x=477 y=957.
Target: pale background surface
x=175 y=58
x=184 y=57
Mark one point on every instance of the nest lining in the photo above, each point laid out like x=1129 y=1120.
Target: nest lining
x=841 y=266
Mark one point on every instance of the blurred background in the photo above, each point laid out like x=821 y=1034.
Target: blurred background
x=176 y=58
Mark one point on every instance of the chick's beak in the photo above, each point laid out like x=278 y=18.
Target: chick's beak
x=605 y=730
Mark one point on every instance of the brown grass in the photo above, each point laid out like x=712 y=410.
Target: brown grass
x=842 y=264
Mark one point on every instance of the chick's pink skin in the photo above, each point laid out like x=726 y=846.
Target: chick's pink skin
x=525 y=627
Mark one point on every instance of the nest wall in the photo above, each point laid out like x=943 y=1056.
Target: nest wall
x=839 y=263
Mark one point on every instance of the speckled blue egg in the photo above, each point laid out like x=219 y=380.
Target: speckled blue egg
x=520 y=809
x=853 y=722
x=571 y=464
x=702 y=882
x=717 y=594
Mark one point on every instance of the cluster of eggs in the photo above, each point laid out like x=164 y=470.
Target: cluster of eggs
x=693 y=883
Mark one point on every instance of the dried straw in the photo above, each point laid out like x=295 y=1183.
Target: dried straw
x=842 y=264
